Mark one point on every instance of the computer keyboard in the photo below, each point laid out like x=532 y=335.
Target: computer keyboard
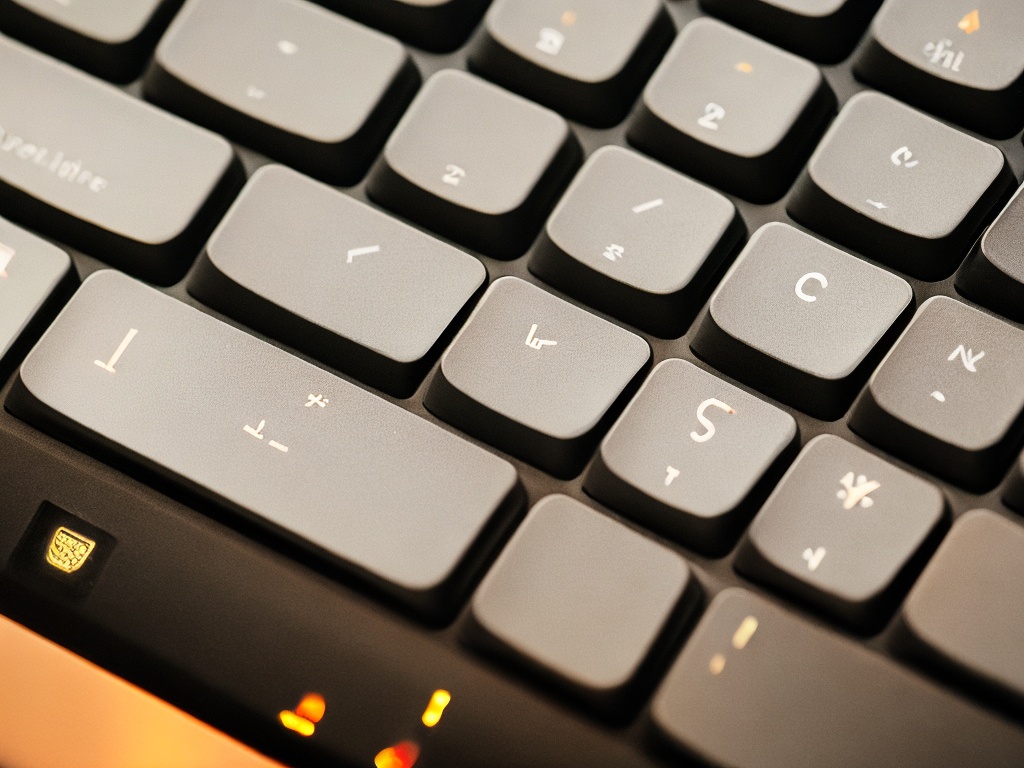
x=449 y=384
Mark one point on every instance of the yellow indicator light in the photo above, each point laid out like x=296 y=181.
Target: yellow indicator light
x=744 y=67
x=68 y=550
x=294 y=722
x=307 y=714
x=402 y=755
x=569 y=18
x=970 y=23
x=432 y=714
x=717 y=664
x=746 y=631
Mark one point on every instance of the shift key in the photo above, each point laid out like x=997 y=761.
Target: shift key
x=139 y=378
x=115 y=177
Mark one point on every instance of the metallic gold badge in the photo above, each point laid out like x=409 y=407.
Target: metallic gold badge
x=68 y=550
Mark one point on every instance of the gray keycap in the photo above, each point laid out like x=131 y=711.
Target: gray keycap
x=966 y=612
x=336 y=279
x=536 y=376
x=91 y=177
x=476 y=163
x=756 y=687
x=732 y=110
x=692 y=456
x=900 y=187
x=306 y=86
x=585 y=600
x=34 y=275
x=949 y=397
x=844 y=530
x=632 y=238
x=993 y=274
x=147 y=380
x=802 y=321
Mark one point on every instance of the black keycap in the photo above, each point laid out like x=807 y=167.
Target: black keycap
x=638 y=241
x=962 y=61
x=823 y=30
x=476 y=164
x=757 y=687
x=304 y=85
x=149 y=381
x=35 y=277
x=111 y=40
x=844 y=531
x=802 y=321
x=535 y=376
x=949 y=397
x=733 y=111
x=336 y=279
x=692 y=456
x=589 y=63
x=584 y=600
x=436 y=25
x=966 y=613
x=91 y=177
x=920 y=193
x=993 y=275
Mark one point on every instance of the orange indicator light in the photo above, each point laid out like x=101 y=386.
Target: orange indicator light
x=744 y=67
x=307 y=714
x=402 y=755
x=432 y=714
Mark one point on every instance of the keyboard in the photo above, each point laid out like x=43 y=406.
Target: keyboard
x=451 y=383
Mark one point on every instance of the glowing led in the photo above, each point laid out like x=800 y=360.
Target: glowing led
x=569 y=18
x=746 y=631
x=307 y=714
x=744 y=67
x=432 y=714
x=717 y=664
x=402 y=755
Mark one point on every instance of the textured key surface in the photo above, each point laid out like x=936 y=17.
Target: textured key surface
x=802 y=321
x=688 y=455
x=993 y=275
x=266 y=435
x=336 y=278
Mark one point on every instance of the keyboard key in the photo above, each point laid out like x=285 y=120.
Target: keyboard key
x=844 y=531
x=305 y=86
x=961 y=61
x=831 y=702
x=823 y=30
x=588 y=63
x=476 y=164
x=110 y=40
x=435 y=25
x=966 y=613
x=268 y=437
x=993 y=275
x=802 y=321
x=692 y=456
x=535 y=376
x=91 y=177
x=584 y=600
x=949 y=396
x=921 y=192
x=638 y=241
x=732 y=110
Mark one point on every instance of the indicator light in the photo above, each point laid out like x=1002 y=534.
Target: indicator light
x=744 y=67
x=402 y=755
x=307 y=714
x=746 y=631
x=432 y=714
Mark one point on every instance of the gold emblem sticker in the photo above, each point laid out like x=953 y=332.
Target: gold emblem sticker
x=68 y=550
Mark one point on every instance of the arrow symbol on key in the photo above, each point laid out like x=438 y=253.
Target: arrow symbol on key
x=362 y=252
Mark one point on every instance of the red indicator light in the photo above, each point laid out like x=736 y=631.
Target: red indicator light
x=402 y=755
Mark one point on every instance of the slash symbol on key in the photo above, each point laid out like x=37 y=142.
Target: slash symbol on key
x=362 y=252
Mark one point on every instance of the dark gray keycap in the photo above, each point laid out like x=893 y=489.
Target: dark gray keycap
x=756 y=687
x=306 y=86
x=111 y=40
x=950 y=395
x=336 y=279
x=35 y=277
x=585 y=600
x=536 y=376
x=966 y=612
x=900 y=187
x=145 y=379
x=637 y=240
x=844 y=531
x=823 y=30
x=962 y=61
x=692 y=456
x=802 y=321
x=476 y=163
x=733 y=110
x=91 y=177
x=993 y=274
x=436 y=25
x=589 y=63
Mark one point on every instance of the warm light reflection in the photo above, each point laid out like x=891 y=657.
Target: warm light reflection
x=746 y=631
x=309 y=712
x=432 y=714
x=402 y=755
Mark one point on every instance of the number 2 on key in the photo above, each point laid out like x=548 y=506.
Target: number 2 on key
x=712 y=114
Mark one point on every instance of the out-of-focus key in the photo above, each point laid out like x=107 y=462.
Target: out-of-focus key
x=831 y=702
x=962 y=61
x=305 y=86
x=107 y=173
x=436 y=25
x=993 y=274
x=111 y=40
x=148 y=381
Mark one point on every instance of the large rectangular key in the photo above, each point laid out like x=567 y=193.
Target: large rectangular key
x=332 y=468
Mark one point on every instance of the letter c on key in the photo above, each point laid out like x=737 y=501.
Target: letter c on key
x=817 y=276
